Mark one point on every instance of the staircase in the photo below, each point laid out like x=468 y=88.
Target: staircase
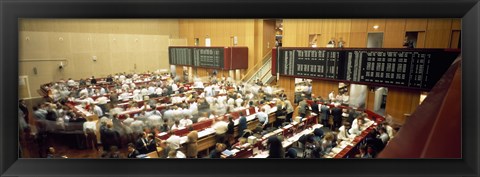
x=261 y=71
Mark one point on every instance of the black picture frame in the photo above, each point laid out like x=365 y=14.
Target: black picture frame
x=11 y=11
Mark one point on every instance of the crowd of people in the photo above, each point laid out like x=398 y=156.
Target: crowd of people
x=118 y=95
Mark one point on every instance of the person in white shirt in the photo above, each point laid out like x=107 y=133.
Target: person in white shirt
x=174 y=143
x=138 y=97
x=97 y=110
x=383 y=135
x=71 y=82
x=144 y=91
x=268 y=90
x=186 y=121
x=175 y=125
x=389 y=129
x=193 y=108
x=132 y=85
x=204 y=117
x=125 y=87
x=262 y=117
x=158 y=91
x=151 y=90
x=220 y=128
x=266 y=107
x=358 y=125
x=102 y=91
x=136 y=91
x=239 y=101
x=174 y=87
x=121 y=78
x=83 y=92
x=231 y=101
x=168 y=114
x=345 y=98
x=344 y=134
x=331 y=96
x=124 y=96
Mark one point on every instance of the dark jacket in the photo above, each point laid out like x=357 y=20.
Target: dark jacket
x=325 y=112
x=140 y=146
x=276 y=148
x=315 y=108
x=337 y=113
x=242 y=125
x=134 y=154
x=215 y=154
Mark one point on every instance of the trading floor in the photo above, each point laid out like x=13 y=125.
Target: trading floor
x=237 y=88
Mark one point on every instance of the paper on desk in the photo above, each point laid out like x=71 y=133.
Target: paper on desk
x=336 y=150
x=183 y=139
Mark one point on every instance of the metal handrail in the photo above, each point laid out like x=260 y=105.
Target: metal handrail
x=262 y=71
x=259 y=65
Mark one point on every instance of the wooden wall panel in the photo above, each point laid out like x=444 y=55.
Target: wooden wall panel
x=421 y=39
x=416 y=24
x=456 y=24
x=380 y=22
x=394 y=33
x=455 y=39
x=400 y=102
x=359 y=25
x=358 y=39
x=439 y=24
x=370 y=102
x=437 y=39
x=288 y=84
x=323 y=88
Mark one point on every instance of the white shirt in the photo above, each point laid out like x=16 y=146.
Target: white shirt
x=174 y=87
x=185 y=123
x=344 y=135
x=158 y=91
x=124 y=96
x=384 y=137
x=220 y=127
x=98 y=111
x=268 y=90
x=71 y=82
x=262 y=117
x=331 y=96
x=125 y=87
x=151 y=90
x=137 y=97
x=121 y=78
x=267 y=108
x=194 y=108
x=83 y=92
x=90 y=125
x=102 y=100
x=136 y=91
x=239 y=102
x=144 y=91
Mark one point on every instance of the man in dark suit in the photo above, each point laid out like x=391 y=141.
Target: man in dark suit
x=132 y=152
x=315 y=108
x=325 y=114
x=110 y=79
x=93 y=81
x=142 y=143
x=337 y=116
x=152 y=144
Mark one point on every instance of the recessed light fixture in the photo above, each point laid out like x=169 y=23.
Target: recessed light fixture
x=375 y=27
